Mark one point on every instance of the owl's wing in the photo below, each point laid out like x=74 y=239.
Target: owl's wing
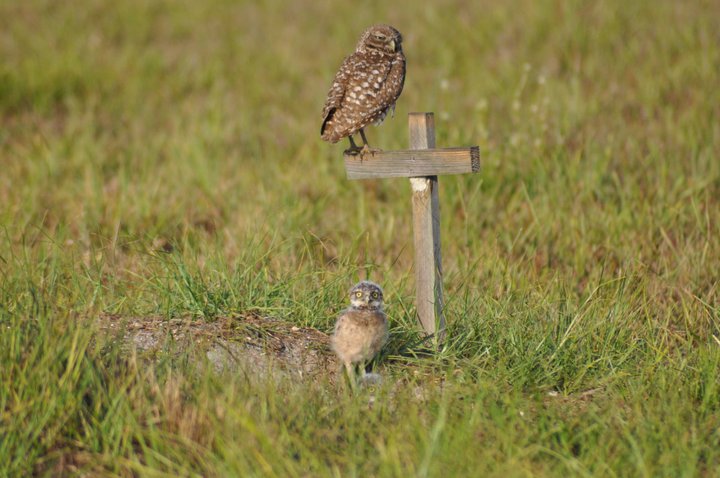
x=386 y=86
x=367 y=88
x=337 y=91
x=342 y=318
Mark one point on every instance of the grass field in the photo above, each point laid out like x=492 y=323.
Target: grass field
x=163 y=158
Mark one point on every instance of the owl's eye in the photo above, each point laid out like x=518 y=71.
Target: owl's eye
x=358 y=294
x=374 y=295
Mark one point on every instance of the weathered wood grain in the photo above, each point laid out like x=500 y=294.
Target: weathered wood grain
x=413 y=163
x=426 y=232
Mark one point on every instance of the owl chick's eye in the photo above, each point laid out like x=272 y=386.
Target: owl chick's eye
x=374 y=295
x=358 y=294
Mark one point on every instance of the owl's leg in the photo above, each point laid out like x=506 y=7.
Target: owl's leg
x=366 y=149
x=354 y=148
x=365 y=141
x=368 y=376
x=350 y=371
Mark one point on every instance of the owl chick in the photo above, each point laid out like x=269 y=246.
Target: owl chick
x=361 y=330
x=365 y=87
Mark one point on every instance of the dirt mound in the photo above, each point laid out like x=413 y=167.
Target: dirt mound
x=250 y=343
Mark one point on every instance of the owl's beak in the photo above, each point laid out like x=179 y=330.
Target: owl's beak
x=392 y=45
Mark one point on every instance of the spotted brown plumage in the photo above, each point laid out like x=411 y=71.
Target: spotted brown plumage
x=366 y=86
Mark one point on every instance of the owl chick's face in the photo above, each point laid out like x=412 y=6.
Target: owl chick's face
x=381 y=37
x=366 y=295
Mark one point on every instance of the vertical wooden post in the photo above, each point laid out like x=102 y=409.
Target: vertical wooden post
x=426 y=233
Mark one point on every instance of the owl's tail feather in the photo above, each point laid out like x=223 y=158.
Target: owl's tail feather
x=327 y=132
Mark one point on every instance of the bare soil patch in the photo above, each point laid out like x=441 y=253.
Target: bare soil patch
x=250 y=343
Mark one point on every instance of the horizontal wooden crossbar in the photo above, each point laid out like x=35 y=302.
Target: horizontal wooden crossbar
x=413 y=163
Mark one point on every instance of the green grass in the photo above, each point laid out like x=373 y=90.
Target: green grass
x=163 y=158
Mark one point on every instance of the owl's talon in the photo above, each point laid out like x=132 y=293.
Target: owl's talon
x=368 y=150
x=370 y=379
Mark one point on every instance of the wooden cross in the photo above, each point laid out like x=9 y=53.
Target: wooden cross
x=422 y=163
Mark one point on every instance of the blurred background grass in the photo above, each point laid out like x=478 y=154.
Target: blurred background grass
x=164 y=158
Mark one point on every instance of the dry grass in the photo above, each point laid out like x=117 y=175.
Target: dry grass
x=162 y=158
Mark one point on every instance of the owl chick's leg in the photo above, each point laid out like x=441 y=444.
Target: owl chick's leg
x=366 y=146
x=368 y=377
x=350 y=371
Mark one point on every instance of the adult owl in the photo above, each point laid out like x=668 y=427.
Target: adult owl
x=366 y=87
x=361 y=330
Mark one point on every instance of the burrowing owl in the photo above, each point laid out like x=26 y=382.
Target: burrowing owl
x=365 y=87
x=361 y=330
